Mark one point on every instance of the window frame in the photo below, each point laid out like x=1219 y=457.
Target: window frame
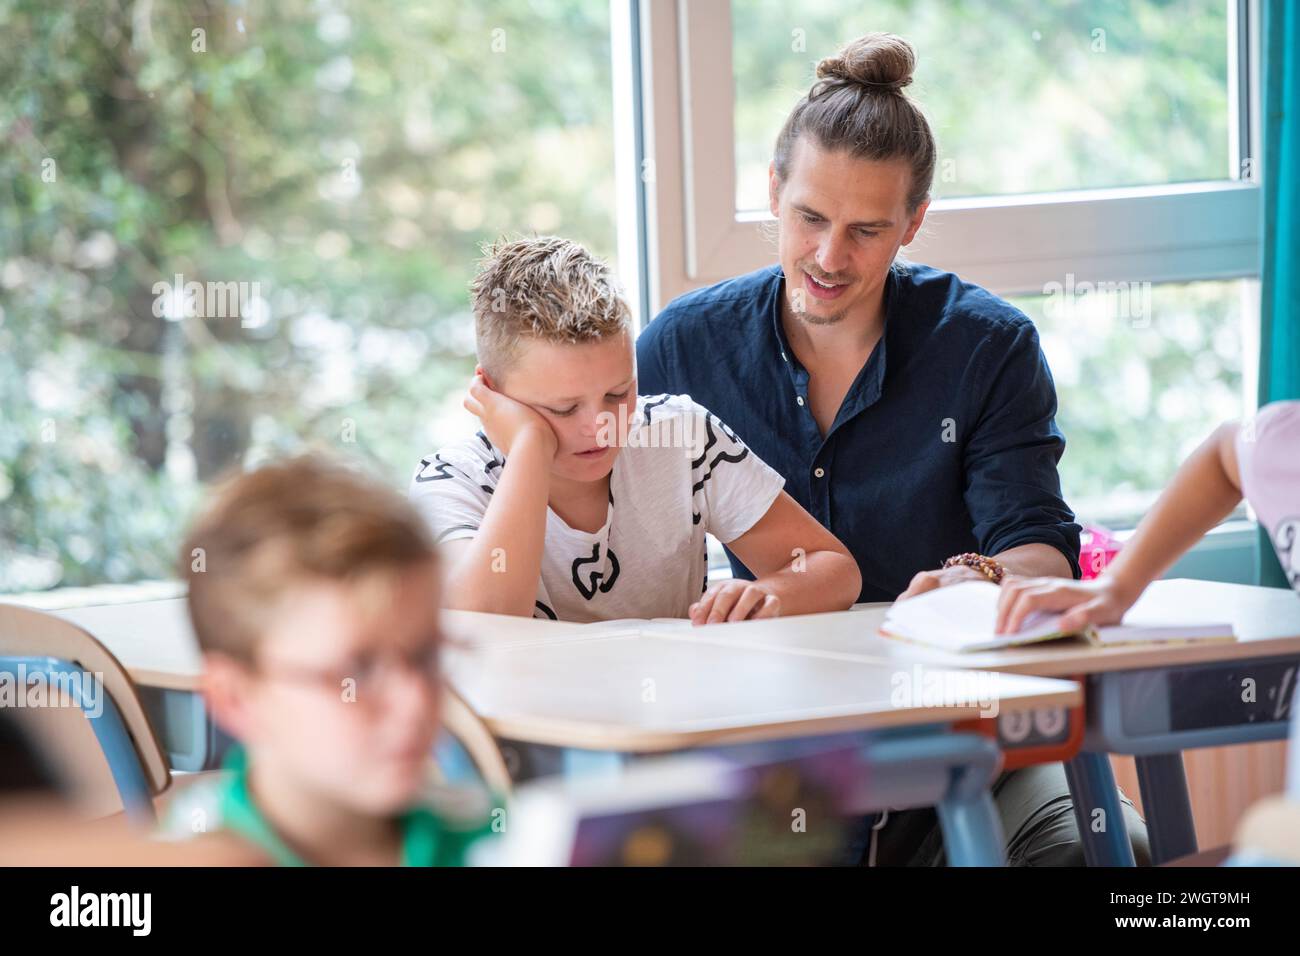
x=1159 y=233
x=693 y=235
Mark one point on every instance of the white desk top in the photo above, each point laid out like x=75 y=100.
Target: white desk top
x=588 y=686
x=645 y=691
x=583 y=684
x=474 y=629
x=152 y=639
x=1266 y=621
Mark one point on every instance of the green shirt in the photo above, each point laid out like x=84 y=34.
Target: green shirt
x=428 y=838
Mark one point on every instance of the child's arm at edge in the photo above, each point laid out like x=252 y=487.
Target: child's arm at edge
x=1202 y=493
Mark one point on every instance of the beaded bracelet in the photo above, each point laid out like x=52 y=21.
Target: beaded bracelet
x=986 y=566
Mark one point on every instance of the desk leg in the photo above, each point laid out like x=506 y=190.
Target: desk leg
x=1167 y=806
x=972 y=832
x=1092 y=785
x=903 y=770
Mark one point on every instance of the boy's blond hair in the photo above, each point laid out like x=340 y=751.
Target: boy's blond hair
x=544 y=288
x=308 y=518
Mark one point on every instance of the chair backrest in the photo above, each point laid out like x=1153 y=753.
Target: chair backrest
x=34 y=641
x=461 y=722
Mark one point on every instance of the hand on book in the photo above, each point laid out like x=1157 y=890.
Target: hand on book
x=929 y=580
x=734 y=600
x=1086 y=603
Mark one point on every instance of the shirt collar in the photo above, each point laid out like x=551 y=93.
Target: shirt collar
x=420 y=829
x=869 y=384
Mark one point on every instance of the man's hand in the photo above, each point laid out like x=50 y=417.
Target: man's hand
x=734 y=600
x=1026 y=560
x=929 y=580
x=505 y=420
x=1095 y=603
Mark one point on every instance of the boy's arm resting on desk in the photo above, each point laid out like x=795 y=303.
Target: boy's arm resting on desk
x=795 y=561
x=1203 y=492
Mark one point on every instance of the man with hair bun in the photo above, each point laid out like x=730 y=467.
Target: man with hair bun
x=912 y=413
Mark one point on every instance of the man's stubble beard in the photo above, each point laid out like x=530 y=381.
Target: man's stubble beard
x=809 y=318
x=821 y=320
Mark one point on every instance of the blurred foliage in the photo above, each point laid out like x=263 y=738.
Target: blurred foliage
x=1022 y=95
x=1143 y=374
x=347 y=158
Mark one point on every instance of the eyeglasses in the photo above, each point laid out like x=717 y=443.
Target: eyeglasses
x=365 y=676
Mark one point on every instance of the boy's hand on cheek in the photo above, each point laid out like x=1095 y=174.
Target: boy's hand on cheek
x=734 y=601
x=506 y=421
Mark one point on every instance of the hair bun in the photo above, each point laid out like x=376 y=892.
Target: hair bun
x=880 y=61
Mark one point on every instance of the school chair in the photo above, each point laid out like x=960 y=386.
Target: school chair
x=468 y=748
x=62 y=657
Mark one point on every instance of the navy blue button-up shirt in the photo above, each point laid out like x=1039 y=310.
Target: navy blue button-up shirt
x=945 y=442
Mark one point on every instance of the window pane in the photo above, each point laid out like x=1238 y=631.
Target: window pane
x=341 y=162
x=1143 y=375
x=1023 y=96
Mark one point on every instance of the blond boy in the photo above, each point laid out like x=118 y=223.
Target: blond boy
x=581 y=501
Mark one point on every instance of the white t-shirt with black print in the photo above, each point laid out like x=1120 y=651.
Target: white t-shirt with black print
x=680 y=473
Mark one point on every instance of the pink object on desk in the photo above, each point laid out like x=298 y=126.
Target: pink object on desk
x=1097 y=549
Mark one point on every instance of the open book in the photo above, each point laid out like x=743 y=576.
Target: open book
x=961 y=618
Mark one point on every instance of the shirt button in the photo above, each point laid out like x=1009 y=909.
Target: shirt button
x=799 y=399
x=819 y=472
